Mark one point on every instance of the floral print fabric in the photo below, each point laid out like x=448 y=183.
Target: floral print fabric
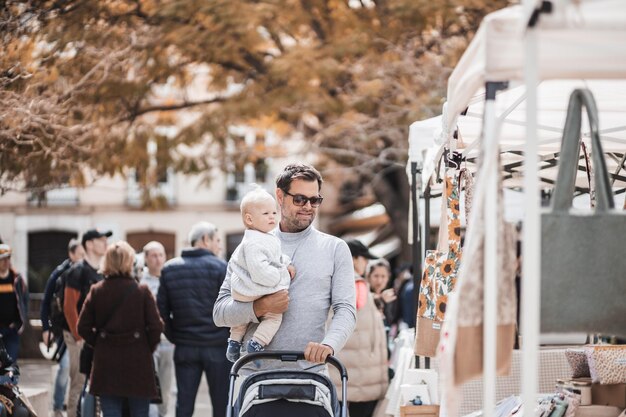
x=441 y=266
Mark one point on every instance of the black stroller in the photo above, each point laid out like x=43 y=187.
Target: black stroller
x=286 y=392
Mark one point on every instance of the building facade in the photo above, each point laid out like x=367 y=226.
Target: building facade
x=38 y=227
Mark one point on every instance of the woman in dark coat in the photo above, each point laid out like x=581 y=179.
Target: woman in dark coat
x=121 y=321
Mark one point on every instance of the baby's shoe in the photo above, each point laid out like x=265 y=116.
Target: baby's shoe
x=233 y=351
x=254 y=346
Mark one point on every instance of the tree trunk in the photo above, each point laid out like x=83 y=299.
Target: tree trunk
x=391 y=187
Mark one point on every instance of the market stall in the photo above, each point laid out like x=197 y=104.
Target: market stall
x=579 y=44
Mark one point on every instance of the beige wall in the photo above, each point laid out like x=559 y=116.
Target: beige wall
x=104 y=205
x=14 y=228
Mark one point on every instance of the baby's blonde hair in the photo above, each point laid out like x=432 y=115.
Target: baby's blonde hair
x=255 y=196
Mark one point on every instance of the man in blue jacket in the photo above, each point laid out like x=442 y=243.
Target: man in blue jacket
x=189 y=288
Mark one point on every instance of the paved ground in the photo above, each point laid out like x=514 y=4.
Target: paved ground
x=38 y=373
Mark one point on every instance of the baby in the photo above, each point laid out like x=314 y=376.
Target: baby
x=257 y=268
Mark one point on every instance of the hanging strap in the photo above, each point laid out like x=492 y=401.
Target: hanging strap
x=442 y=238
x=589 y=170
x=466 y=176
x=570 y=148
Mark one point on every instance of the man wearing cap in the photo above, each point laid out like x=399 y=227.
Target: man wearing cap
x=360 y=256
x=13 y=303
x=79 y=279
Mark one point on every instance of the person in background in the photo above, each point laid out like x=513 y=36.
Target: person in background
x=13 y=303
x=120 y=320
x=154 y=259
x=78 y=280
x=407 y=303
x=378 y=276
x=10 y=403
x=365 y=352
x=75 y=253
x=189 y=287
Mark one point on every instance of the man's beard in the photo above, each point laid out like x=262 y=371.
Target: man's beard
x=293 y=225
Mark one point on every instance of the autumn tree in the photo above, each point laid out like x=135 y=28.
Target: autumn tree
x=88 y=83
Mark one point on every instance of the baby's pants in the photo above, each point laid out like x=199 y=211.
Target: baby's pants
x=268 y=325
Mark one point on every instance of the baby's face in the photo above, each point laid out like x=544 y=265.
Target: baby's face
x=263 y=216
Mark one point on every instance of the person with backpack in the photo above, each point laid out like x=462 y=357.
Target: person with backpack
x=78 y=280
x=53 y=323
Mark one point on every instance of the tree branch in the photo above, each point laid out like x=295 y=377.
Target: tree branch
x=167 y=107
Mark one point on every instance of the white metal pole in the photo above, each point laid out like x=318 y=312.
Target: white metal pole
x=490 y=144
x=531 y=245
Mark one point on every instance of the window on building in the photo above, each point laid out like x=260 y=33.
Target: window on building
x=246 y=164
x=232 y=241
x=46 y=250
x=145 y=190
x=139 y=239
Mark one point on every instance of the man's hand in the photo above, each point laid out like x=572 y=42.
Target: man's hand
x=272 y=303
x=44 y=336
x=317 y=352
x=292 y=271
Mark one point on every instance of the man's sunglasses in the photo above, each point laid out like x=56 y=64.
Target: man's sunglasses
x=301 y=200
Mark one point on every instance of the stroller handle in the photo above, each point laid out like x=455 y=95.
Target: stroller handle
x=284 y=356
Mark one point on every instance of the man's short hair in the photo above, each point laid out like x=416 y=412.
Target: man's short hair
x=73 y=245
x=357 y=248
x=201 y=229
x=153 y=245
x=298 y=171
x=254 y=196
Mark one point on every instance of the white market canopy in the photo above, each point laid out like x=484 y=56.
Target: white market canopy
x=552 y=102
x=576 y=42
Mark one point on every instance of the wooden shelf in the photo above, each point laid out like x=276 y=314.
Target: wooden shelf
x=419 y=410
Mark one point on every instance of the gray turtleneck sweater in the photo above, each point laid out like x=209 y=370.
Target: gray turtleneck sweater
x=324 y=279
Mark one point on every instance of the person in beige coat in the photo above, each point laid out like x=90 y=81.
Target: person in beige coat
x=365 y=353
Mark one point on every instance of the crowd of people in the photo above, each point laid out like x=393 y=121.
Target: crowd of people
x=287 y=286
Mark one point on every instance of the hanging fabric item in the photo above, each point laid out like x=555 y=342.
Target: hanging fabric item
x=460 y=352
x=467 y=176
x=440 y=270
x=582 y=253
x=468 y=361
